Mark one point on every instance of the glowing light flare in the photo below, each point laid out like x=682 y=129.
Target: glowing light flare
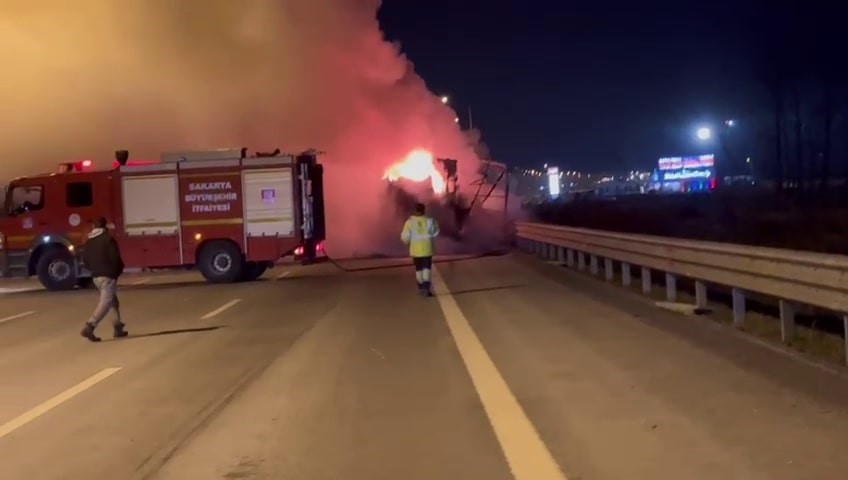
x=418 y=166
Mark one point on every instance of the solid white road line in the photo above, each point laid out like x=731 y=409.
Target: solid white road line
x=54 y=402
x=15 y=317
x=220 y=309
x=526 y=453
x=18 y=290
x=283 y=275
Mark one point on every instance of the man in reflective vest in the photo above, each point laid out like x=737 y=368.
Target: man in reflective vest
x=419 y=231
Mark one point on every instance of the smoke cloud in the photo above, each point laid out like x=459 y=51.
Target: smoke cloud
x=84 y=78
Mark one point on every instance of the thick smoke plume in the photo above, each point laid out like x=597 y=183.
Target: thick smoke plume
x=84 y=78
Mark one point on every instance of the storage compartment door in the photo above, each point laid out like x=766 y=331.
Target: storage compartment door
x=150 y=205
x=151 y=221
x=268 y=203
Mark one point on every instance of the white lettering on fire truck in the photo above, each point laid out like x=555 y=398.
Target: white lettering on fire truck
x=211 y=197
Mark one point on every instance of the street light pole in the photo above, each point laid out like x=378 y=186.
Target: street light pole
x=446 y=100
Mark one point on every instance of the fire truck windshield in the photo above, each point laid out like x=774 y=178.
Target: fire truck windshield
x=22 y=198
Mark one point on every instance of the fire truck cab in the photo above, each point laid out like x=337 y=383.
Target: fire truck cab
x=229 y=214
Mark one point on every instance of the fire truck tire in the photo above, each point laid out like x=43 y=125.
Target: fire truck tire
x=253 y=270
x=56 y=270
x=221 y=262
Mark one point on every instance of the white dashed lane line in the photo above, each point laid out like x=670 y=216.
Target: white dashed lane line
x=221 y=309
x=39 y=410
x=15 y=317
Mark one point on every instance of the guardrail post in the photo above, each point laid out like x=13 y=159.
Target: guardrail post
x=608 y=269
x=626 y=280
x=700 y=294
x=646 y=280
x=787 y=320
x=569 y=258
x=845 y=334
x=670 y=287
x=561 y=255
x=593 y=264
x=738 y=307
x=581 y=261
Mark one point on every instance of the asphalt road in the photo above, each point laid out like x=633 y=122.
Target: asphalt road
x=517 y=369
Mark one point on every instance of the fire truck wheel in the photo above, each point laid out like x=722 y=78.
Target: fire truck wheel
x=55 y=269
x=253 y=270
x=221 y=262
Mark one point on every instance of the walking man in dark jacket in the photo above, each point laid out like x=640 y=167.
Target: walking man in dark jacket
x=103 y=258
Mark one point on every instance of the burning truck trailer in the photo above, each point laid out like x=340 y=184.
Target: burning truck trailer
x=460 y=212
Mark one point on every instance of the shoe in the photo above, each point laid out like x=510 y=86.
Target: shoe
x=119 y=331
x=88 y=333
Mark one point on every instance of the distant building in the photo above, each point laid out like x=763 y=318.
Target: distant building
x=528 y=183
x=533 y=184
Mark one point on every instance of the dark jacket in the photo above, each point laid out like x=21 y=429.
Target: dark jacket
x=101 y=255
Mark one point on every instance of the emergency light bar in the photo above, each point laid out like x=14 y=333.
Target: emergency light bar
x=69 y=167
x=85 y=165
x=133 y=163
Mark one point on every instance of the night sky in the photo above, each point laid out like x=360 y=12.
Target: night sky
x=597 y=86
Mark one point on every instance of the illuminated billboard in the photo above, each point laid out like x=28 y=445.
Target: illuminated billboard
x=553 y=181
x=687 y=174
x=701 y=167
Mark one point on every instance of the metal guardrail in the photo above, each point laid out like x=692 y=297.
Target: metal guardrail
x=793 y=277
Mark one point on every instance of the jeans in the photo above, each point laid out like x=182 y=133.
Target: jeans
x=108 y=288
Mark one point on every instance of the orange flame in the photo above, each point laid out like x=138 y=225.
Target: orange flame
x=417 y=166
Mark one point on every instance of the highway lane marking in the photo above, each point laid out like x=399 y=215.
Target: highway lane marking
x=16 y=316
x=283 y=275
x=527 y=455
x=221 y=309
x=140 y=281
x=54 y=402
x=18 y=290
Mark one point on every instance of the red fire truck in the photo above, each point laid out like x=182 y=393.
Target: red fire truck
x=229 y=214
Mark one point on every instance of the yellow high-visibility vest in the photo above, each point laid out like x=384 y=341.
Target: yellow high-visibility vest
x=418 y=232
